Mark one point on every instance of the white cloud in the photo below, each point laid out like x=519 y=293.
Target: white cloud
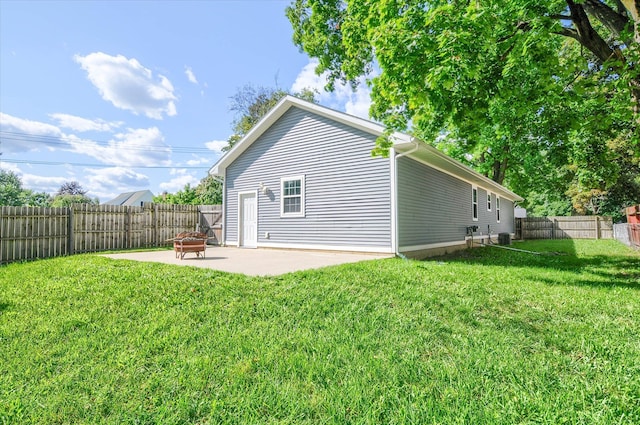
x=21 y=135
x=134 y=147
x=190 y=75
x=342 y=98
x=128 y=85
x=43 y=183
x=107 y=183
x=216 y=145
x=83 y=124
x=182 y=177
x=178 y=171
x=36 y=182
x=199 y=161
x=104 y=183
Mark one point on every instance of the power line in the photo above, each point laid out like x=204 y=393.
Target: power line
x=81 y=164
x=65 y=141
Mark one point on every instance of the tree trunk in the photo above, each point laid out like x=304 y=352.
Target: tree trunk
x=586 y=34
x=635 y=98
x=499 y=166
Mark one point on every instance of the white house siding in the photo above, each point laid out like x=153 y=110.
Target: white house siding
x=435 y=208
x=347 y=192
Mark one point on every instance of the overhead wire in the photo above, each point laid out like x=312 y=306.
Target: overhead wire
x=82 y=164
x=66 y=141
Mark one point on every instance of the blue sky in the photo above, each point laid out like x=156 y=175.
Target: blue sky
x=123 y=96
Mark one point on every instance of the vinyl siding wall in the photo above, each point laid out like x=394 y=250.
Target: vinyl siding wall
x=347 y=192
x=436 y=208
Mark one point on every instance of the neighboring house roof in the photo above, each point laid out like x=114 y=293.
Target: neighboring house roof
x=402 y=143
x=131 y=198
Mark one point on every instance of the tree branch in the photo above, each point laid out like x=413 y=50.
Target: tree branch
x=561 y=17
x=587 y=35
x=568 y=32
x=616 y=22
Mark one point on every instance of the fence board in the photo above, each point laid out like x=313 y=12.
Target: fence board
x=573 y=227
x=36 y=232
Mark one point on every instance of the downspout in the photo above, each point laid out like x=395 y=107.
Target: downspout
x=397 y=236
x=223 y=242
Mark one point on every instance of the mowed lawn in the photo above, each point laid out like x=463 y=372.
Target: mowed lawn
x=489 y=336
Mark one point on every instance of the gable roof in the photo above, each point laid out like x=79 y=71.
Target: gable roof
x=402 y=143
x=131 y=198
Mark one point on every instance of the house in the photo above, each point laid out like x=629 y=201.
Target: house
x=304 y=178
x=132 y=198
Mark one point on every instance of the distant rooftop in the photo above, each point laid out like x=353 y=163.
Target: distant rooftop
x=131 y=198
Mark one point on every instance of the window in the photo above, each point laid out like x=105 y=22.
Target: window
x=474 y=201
x=497 y=209
x=292 y=196
x=488 y=201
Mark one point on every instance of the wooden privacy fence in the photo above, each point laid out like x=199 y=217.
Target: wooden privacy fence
x=36 y=232
x=573 y=227
x=628 y=234
x=211 y=223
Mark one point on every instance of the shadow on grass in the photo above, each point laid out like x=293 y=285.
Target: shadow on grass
x=596 y=269
x=4 y=306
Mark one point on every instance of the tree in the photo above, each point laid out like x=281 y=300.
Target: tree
x=66 y=200
x=185 y=196
x=207 y=192
x=13 y=194
x=438 y=57
x=36 y=199
x=72 y=193
x=10 y=188
x=71 y=188
x=509 y=87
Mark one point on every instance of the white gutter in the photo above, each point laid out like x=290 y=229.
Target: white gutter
x=395 y=189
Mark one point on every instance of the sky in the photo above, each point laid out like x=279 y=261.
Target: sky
x=123 y=96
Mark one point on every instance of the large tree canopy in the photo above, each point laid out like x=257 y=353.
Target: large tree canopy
x=13 y=194
x=516 y=88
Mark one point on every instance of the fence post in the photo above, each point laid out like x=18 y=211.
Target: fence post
x=597 y=220
x=70 y=226
x=127 y=227
x=156 y=224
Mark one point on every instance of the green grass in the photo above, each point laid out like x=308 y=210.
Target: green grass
x=485 y=337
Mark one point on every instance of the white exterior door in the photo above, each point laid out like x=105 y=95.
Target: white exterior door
x=248 y=225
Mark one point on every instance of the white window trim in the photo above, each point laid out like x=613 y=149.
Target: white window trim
x=474 y=189
x=302 y=197
x=497 y=209
x=489 y=195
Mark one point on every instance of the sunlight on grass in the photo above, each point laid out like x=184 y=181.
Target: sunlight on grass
x=486 y=336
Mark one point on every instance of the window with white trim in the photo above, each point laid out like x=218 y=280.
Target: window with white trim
x=474 y=202
x=488 y=201
x=292 y=196
x=498 y=209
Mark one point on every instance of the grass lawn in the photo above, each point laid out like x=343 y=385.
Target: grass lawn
x=489 y=336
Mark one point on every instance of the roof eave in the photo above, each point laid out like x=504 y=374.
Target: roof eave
x=435 y=158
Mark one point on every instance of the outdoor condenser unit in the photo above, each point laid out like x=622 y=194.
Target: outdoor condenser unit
x=504 y=238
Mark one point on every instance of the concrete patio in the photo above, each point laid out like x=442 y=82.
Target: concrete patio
x=252 y=262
